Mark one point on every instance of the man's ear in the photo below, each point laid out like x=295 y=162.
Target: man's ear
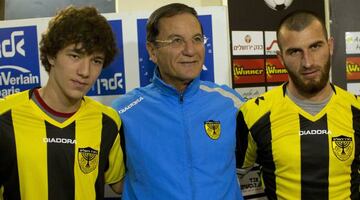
x=51 y=60
x=151 y=48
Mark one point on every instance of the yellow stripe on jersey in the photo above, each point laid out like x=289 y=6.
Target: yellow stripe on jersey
x=31 y=152
x=92 y=126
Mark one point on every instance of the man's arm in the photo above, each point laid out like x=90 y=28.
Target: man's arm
x=117 y=187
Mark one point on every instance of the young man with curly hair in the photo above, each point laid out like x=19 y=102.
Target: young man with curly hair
x=56 y=143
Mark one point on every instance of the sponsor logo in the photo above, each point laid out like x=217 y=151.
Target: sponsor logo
x=88 y=159
x=315 y=132
x=349 y=39
x=247 y=47
x=248 y=71
x=271 y=44
x=212 y=129
x=247 y=38
x=342 y=147
x=241 y=71
x=19 y=68
x=22 y=79
x=352 y=67
x=274 y=42
x=352 y=41
x=132 y=104
x=247 y=42
x=15 y=47
x=59 y=140
x=272 y=70
x=104 y=85
x=275 y=71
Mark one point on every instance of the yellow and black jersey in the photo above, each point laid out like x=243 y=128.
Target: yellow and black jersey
x=41 y=158
x=302 y=156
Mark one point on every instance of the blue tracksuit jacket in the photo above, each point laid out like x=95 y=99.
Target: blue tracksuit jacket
x=180 y=146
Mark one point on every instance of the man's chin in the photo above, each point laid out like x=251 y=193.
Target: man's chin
x=311 y=88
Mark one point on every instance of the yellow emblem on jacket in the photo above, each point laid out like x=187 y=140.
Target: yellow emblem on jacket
x=212 y=129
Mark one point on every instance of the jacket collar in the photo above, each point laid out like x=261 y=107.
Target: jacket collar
x=190 y=90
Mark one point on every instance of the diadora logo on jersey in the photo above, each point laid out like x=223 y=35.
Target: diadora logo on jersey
x=59 y=140
x=132 y=104
x=342 y=147
x=315 y=132
x=212 y=129
x=19 y=60
x=88 y=159
x=112 y=79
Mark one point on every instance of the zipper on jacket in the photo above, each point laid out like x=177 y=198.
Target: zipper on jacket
x=188 y=148
x=181 y=97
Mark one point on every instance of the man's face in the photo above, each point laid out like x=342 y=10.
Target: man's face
x=73 y=72
x=179 y=62
x=306 y=56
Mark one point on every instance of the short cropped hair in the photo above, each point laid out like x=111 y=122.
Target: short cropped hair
x=152 y=26
x=298 y=21
x=80 y=26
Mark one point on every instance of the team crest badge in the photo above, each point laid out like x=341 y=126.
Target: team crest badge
x=342 y=147
x=212 y=129
x=88 y=159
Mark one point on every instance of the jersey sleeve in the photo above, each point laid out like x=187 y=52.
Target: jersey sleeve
x=116 y=170
x=245 y=145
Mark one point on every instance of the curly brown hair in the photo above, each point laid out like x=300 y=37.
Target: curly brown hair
x=83 y=26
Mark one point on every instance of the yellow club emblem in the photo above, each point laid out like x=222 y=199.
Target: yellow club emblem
x=212 y=129
x=342 y=147
x=88 y=159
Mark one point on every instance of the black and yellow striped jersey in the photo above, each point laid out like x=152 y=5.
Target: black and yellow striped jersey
x=302 y=156
x=41 y=158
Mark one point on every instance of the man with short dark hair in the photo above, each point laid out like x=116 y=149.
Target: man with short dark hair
x=179 y=131
x=305 y=134
x=56 y=143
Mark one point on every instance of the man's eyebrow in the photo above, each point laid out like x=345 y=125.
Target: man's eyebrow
x=292 y=49
x=76 y=50
x=100 y=57
x=317 y=42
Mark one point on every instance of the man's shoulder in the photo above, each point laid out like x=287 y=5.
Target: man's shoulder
x=129 y=100
x=215 y=85
x=97 y=106
x=346 y=96
x=264 y=103
x=223 y=91
x=14 y=100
